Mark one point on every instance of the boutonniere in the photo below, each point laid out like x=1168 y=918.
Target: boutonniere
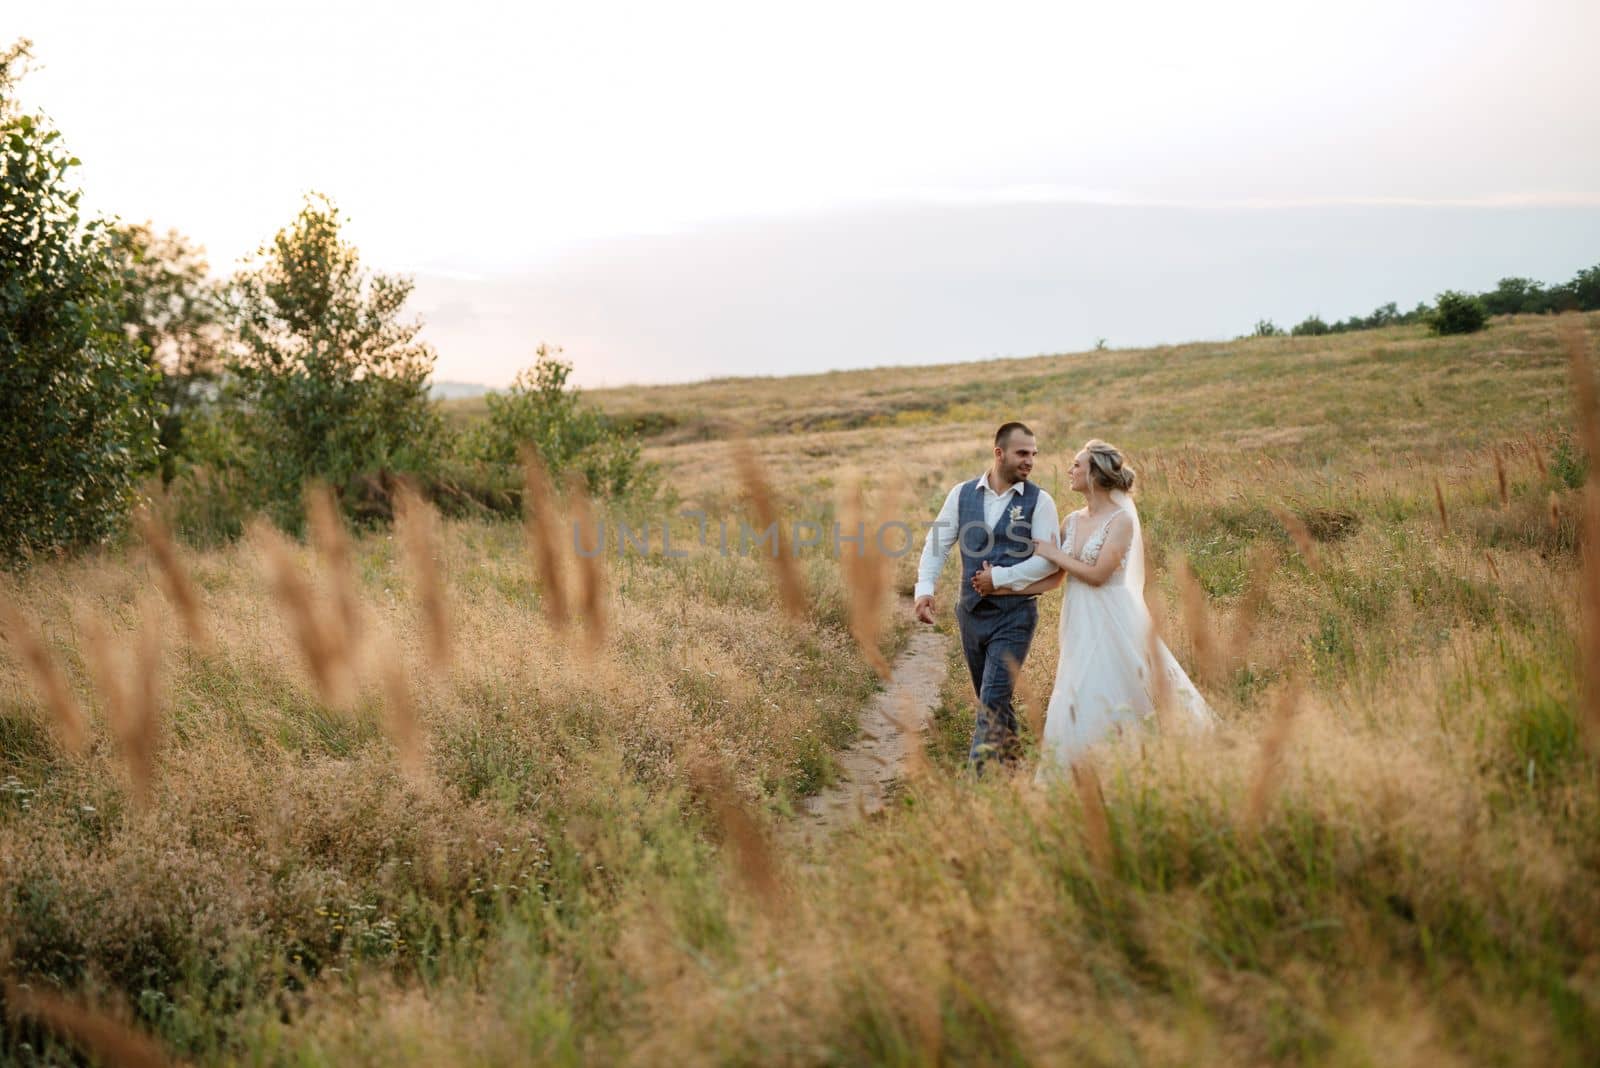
x=1016 y=513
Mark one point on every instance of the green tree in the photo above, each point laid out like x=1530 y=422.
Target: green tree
x=542 y=410
x=331 y=381
x=1311 y=326
x=1585 y=286
x=77 y=427
x=1512 y=295
x=1267 y=328
x=172 y=307
x=1458 y=313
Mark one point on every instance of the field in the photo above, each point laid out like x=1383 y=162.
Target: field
x=1389 y=852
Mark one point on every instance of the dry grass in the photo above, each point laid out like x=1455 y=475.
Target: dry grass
x=328 y=534
x=66 y=715
x=754 y=858
x=589 y=548
x=1582 y=373
x=132 y=694
x=1414 y=885
x=764 y=503
x=175 y=581
x=104 y=1038
x=417 y=523
x=867 y=571
x=1096 y=825
x=319 y=641
x=542 y=525
x=1269 y=764
x=1202 y=633
x=1301 y=535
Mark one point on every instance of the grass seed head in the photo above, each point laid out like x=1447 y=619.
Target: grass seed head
x=762 y=500
x=541 y=517
x=1096 y=824
x=175 y=581
x=589 y=549
x=324 y=658
x=754 y=859
x=419 y=542
x=104 y=1038
x=333 y=546
x=71 y=726
x=1269 y=764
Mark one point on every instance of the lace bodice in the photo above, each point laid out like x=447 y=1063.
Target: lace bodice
x=1090 y=550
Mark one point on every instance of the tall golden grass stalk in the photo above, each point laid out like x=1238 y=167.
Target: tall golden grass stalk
x=1300 y=534
x=1197 y=620
x=175 y=582
x=589 y=547
x=905 y=720
x=1438 y=499
x=865 y=570
x=791 y=588
x=1160 y=685
x=1269 y=765
x=1032 y=706
x=400 y=716
x=105 y=1039
x=1494 y=569
x=1500 y=478
x=132 y=696
x=541 y=517
x=1538 y=456
x=329 y=671
x=333 y=546
x=1096 y=824
x=1581 y=371
x=754 y=859
x=1262 y=564
x=71 y=726
x=419 y=542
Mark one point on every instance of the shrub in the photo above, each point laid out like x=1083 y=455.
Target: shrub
x=540 y=410
x=1458 y=313
x=1313 y=326
x=1267 y=328
x=77 y=427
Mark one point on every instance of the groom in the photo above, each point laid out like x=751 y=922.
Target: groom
x=994 y=517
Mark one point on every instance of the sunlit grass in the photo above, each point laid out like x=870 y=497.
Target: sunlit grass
x=1418 y=886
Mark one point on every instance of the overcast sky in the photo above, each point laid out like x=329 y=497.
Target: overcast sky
x=682 y=189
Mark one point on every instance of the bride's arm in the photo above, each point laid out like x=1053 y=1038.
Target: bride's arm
x=1118 y=538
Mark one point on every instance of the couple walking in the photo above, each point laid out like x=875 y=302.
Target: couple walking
x=1104 y=676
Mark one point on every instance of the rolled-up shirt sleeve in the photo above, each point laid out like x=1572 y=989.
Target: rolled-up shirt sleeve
x=936 y=546
x=1047 y=527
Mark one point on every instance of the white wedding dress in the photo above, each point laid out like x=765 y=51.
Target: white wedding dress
x=1103 y=678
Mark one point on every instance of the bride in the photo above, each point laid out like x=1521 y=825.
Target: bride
x=1104 y=677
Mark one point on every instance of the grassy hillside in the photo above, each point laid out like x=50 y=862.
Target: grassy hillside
x=1415 y=883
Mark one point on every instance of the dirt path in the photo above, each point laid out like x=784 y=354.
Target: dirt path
x=878 y=756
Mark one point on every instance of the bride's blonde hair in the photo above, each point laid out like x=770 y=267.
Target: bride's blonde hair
x=1107 y=467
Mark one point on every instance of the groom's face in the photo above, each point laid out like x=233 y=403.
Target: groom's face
x=1016 y=455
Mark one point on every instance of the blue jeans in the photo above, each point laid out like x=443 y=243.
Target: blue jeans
x=995 y=636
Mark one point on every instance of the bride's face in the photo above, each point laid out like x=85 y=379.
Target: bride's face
x=1079 y=474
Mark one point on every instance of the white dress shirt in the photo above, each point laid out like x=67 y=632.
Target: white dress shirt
x=942 y=535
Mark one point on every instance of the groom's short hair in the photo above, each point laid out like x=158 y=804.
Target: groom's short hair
x=1003 y=435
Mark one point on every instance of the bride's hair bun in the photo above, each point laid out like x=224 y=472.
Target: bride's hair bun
x=1106 y=466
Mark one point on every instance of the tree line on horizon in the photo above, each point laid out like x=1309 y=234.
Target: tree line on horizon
x=1455 y=312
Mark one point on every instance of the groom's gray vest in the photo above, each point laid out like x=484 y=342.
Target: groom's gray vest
x=1006 y=544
